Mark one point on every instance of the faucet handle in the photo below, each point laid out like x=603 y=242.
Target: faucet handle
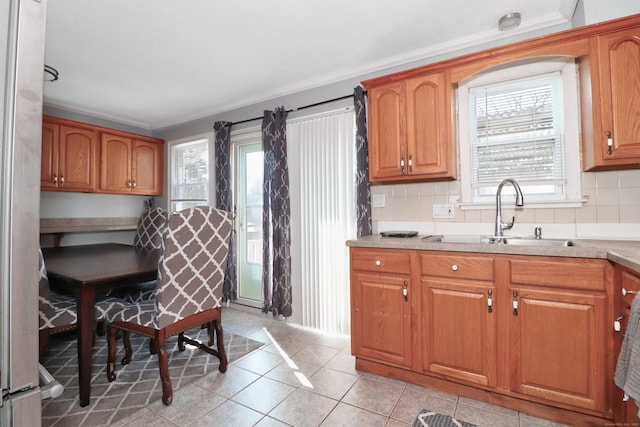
x=508 y=225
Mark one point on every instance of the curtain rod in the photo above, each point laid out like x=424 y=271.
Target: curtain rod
x=299 y=108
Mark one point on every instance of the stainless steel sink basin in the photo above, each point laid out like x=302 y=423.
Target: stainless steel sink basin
x=512 y=241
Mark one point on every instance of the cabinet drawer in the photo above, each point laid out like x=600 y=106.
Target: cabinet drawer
x=456 y=266
x=586 y=274
x=381 y=260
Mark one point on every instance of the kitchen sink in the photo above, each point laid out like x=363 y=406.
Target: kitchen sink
x=508 y=240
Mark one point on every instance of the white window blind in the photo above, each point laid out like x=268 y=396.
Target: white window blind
x=189 y=174
x=516 y=132
x=521 y=122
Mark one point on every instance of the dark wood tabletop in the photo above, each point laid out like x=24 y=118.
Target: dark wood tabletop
x=86 y=269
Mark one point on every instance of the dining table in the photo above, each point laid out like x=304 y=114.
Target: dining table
x=88 y=270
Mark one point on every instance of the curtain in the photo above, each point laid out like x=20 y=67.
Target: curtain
x=363 y=189
x=224 y=201
x=276 y=242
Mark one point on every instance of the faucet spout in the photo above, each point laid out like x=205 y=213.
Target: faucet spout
x=501 y=226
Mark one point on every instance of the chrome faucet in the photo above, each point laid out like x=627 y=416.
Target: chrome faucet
x=501 y=226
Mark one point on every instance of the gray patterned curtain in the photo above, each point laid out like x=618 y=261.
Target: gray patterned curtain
x=224 y=201
x=363 y=189
x=276 y=240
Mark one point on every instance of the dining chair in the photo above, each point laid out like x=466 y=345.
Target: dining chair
x=188 y=294
x=150 y=230
x=57 y=312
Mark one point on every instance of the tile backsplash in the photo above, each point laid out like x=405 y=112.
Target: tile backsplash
x=612 y=200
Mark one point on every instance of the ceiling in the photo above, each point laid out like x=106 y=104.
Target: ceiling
x=157 y=63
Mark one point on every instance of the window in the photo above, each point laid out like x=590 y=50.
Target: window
x=189 y=173
x=521 y=122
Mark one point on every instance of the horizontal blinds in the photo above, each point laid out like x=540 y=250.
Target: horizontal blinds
x=516 y=132
x=190 y=171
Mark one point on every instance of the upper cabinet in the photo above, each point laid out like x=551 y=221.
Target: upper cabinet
x=131 y=165
x=85 y=158
x=410 y=129
x=69 y=156
x=616 y=126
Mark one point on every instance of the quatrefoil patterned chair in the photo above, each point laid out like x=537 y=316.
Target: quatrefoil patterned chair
x=57 y=312
x=188 y=294
x=152 y=225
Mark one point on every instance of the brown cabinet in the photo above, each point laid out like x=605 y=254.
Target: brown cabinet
x=457 y=317
x=380 y=305
x=70 y=156
x=131 y=165
x=627 y=286
x=616 y=124
x=557 y=331
x=410 y=129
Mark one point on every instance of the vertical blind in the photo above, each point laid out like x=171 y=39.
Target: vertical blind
x=517 y=132
x=322 y=176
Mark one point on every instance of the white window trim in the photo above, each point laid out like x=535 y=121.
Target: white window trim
x=571 y=136
x=210 y=137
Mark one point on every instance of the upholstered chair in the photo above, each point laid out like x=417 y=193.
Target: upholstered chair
x=188 y=293
x=57 y=312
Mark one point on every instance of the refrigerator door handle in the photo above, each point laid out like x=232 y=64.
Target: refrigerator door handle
x=49 y=387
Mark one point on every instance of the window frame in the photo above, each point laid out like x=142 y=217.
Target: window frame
x=171 y=146
x=571 y=136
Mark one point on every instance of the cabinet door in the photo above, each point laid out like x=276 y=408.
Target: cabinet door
x=381 y=318
x=429 y=145
x=146 y=163
x=557 y=349
x=459 y=330
x=49 y=159
x=387 y=132
x=115 y=164
x=78 y=164
x=619 y=59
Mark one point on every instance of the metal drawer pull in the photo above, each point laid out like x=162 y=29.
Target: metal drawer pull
x=405 y=291
x=609 y=143
x=378 y=262
x=490 y=300
x=402 y=164
x=515 y=303
x=625 y=292
x=454 y=267
x=410 y=163
x=617 y=326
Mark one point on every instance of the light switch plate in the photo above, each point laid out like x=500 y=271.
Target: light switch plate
x=446 y=211
x=378 y=201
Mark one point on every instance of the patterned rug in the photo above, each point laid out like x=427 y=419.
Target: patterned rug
x=137 y=384
x=428 y=418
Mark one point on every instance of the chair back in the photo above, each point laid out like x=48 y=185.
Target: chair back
x=49 y=316
x=151 y=228
x=191 y=270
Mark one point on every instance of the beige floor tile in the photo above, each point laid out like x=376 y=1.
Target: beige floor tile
x=412 y=402
x=229 y=414
x=188 y=405
x=303 y=408
x=270 y=422
x=484 y=418
x=316 y=354
x=148 y=418
x=531 y=421
x=344 y=415
x=229 y=383
x=259 y=362
x=344 y=362
x=263 y=395
x=295 y=373
x=376 y=396
x=331 y=383
x=488 y=407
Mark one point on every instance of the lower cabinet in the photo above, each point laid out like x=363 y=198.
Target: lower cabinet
x=380 y=308
x=532 y=329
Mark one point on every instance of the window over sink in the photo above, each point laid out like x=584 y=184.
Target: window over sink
x=521 y=121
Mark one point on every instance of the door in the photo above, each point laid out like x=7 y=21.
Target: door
x=249 y=182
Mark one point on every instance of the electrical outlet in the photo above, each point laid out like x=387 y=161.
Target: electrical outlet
x=446 y=211
x=378 y=201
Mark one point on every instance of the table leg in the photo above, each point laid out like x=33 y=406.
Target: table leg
x=86 y=301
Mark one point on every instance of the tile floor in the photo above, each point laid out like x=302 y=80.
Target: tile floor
x=301 y=377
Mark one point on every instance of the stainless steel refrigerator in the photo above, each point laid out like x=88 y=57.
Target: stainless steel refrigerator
x=22 y=40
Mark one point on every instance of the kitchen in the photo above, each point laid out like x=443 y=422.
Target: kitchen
x=409 y=206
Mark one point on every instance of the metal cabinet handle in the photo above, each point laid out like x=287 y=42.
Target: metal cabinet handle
x=410 y=163
x=133 y=184
x=490 y=300
x=609 y=143
x=378 y=262
x=617 y=326
x=626 y=292
x=55 y=178
x=61 y=179
x=402 y=165
x=454 y=267
x=515 y=303
x=405 y=291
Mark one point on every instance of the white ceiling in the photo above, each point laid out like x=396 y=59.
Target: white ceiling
x=155 y=63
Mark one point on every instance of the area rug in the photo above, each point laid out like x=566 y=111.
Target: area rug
x=137 y=384
x=428 y=418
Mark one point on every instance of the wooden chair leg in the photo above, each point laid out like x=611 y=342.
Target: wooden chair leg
x=100 y=328
x=152 y=346
x=163 y=364
x=126 y=340
x=222 y=353
x=212 y=332
x=181 y=341
x=44 y=340
x=111 y=353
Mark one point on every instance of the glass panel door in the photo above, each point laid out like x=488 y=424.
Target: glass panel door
x=250 y=166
